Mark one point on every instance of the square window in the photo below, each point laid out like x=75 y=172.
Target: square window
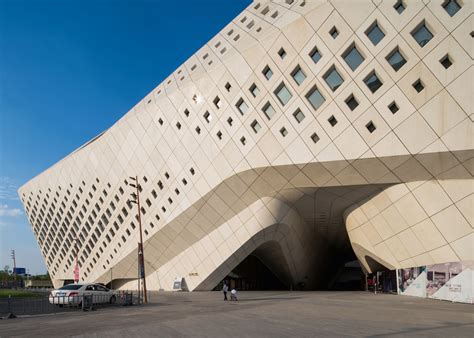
x=422 y=34
x=334 y=32
x=373 y=82
x=178 y=125
x=268 y=110
x=228 y=86
x=451 y=7
x=243 y=140
x=267 y=72
x=219 y=135
x=315 y=137
x=315 y=97
x=370 y=127
x=283 y=94
x=186 y=113
x=333 y=79
x=353 y=57
x=352 y=102
x=393 y=107
x=399 y=6
x=375 y=33
x=298 y=115
x=207 y=116
x=242 y=106
x=255 y=126
x=230 y=121
x=275 y=14
x=254 y=90
x=332 y=121
x=446 y=61
x=282 y=53
x=198 y=130
x=418 y=85
x=192 y=171
x=396 y=59
x=315 y=55
x=283 y=132
x=298 y=75
x=160 y=121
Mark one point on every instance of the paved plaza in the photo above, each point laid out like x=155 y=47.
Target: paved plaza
x=259 y=314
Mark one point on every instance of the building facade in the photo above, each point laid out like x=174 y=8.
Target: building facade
x=305 y=133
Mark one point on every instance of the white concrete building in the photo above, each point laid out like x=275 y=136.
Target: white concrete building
x=305 y=133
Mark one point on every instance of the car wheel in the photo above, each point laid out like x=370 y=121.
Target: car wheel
x=113 y=299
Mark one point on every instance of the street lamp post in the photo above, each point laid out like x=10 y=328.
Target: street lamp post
x=14 y=268
x=141 y=254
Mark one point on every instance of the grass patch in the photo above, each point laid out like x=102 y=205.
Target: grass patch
x=4 y=293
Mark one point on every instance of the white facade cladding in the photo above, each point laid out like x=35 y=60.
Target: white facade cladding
x=304 y=132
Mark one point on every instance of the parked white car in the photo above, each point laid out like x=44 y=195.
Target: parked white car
x=72 y=294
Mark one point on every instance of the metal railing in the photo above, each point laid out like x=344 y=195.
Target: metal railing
x=45 y=304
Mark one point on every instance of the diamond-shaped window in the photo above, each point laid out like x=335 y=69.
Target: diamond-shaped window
x=353 y=57
x=373 y=82
x=422 y=34
x=451 y=7
x=375 y=33
x=333 y=79
x=396 y=59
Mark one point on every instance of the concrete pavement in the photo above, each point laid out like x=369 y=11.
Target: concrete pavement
x=262 y=314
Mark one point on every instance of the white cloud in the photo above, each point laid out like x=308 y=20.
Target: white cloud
x=8 y=188
x=5 y=210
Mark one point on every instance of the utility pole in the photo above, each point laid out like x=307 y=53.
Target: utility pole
x=141 y=254
x=14 y=268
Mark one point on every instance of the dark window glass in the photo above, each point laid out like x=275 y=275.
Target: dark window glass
x=373 y=82
x=422 y=35
x=375 y=34
x=452 y=7
x=396 y=59
x=333 y=79
x=399 y=6
x=353 y=58
x=315 y=55
x=446 y=61
x=315 y=98
x=352 y=102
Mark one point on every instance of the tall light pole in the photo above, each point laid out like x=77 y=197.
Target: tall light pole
x=141 y=254
x=14 y=267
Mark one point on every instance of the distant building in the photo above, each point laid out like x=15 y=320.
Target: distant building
x=305 y=134
x=37 y=284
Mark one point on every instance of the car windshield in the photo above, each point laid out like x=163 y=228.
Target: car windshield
x=71 y=287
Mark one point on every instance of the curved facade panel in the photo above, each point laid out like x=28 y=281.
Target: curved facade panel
x=303 y=133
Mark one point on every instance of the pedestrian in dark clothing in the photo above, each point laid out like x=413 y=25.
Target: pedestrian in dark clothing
x=225 y=288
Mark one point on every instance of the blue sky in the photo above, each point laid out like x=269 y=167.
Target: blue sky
x=70 y=69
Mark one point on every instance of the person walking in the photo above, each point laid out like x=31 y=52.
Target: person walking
x=225 y=288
